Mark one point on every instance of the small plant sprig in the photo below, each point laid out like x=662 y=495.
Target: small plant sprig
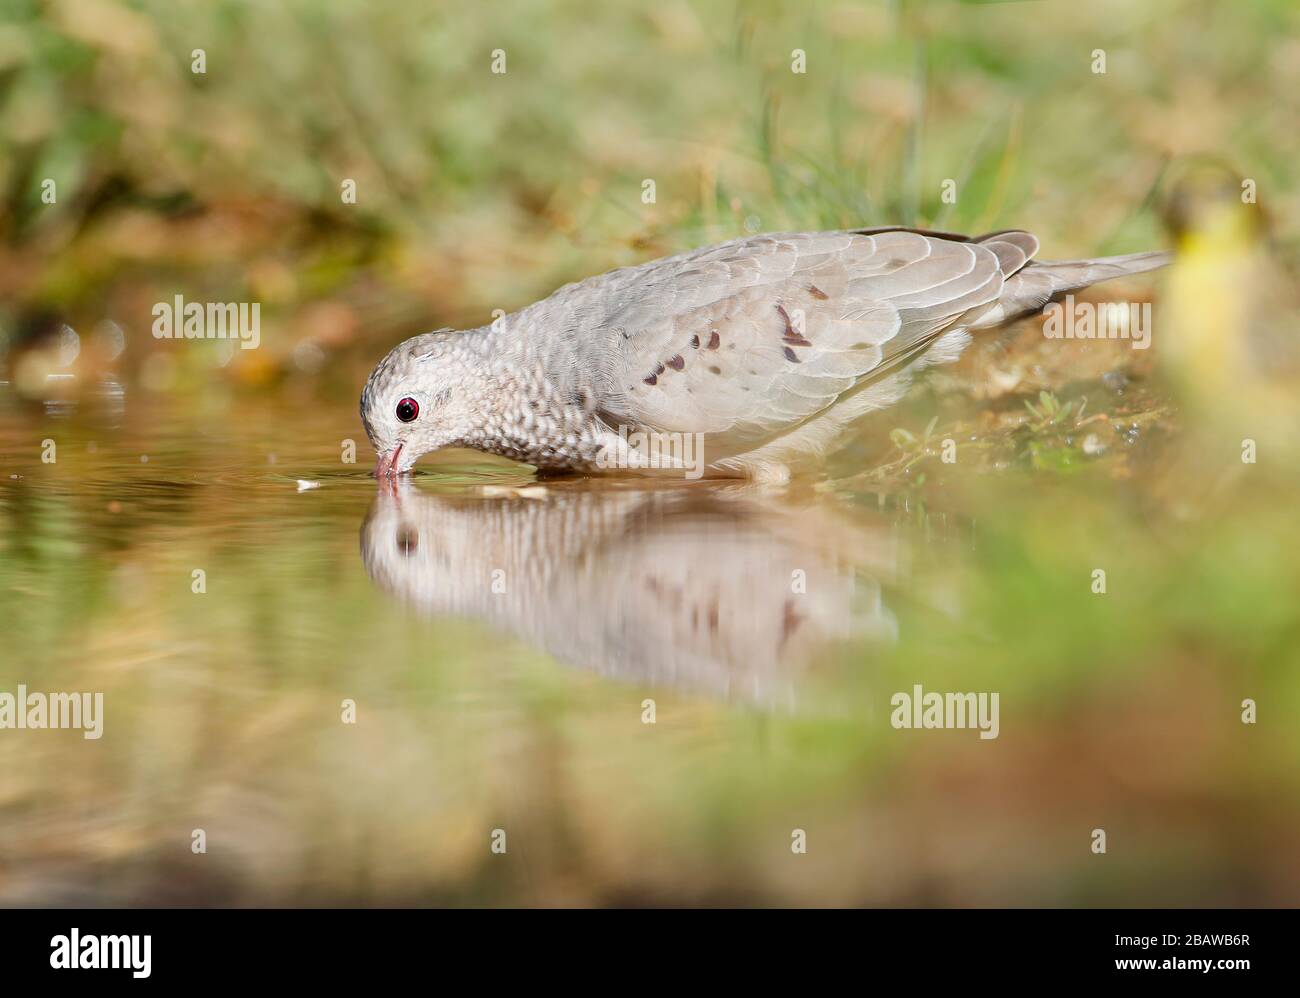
x=913 y=449
x=1051 y=412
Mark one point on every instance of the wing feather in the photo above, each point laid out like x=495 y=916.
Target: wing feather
x=751 y=337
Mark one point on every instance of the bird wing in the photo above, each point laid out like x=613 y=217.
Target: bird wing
x=753 y=336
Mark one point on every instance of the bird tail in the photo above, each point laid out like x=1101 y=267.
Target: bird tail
x=1070 y=275
x=1040 y=282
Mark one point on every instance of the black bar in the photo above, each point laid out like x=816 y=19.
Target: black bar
x=335 y=947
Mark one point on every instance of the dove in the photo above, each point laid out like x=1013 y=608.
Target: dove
x=763 y=351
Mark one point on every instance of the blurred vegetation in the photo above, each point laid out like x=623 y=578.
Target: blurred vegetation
x=478 y=191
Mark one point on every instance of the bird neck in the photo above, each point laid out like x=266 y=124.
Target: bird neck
x=527 y=406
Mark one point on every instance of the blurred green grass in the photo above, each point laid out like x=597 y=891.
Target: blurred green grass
x=478 y=191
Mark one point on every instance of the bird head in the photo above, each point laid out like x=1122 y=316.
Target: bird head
x=416 y=401
x=1206 y=201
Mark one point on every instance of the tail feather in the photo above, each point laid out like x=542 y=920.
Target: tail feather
x=1038 y=283
x=1080 y=273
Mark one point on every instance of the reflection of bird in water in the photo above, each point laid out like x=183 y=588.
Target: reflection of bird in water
x=689 y=588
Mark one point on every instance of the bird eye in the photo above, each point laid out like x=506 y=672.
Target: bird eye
x=407 y=409
x=408 y=541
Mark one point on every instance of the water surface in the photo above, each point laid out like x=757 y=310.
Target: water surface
x=505 y=642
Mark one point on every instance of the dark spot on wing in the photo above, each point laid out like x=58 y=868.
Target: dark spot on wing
x=676 y=362
x=817 y=292
x=695 y=342
x=714 y=369
x=653 y=377
x=790 y=335
x=714 y=339
x=791 y=356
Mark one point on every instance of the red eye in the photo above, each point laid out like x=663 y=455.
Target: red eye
x=407 y=409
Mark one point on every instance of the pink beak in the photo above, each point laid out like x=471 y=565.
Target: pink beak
x=386 y=466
